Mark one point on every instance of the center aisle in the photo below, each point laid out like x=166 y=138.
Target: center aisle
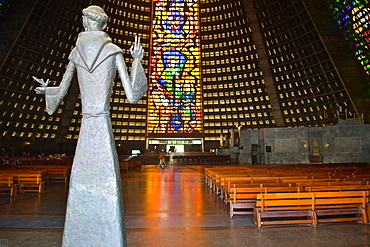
x=174 y=207
x=174 y=197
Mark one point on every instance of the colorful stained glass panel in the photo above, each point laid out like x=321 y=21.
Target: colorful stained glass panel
x=175 y=93
x=353 y=17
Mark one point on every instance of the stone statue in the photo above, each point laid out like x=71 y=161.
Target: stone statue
x=316 y=148
x=94 y=214
x=226 y=141
x=232 y=138
x=221 y=140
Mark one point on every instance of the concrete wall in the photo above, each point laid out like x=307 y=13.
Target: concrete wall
x=247 y=138
x=349 y=141
x=232 y=151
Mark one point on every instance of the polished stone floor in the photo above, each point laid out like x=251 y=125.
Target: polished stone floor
x=166 y=207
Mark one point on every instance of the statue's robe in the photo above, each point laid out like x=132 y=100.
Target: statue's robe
x=94 y=214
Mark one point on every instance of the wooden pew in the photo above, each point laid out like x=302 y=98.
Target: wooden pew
x=58 y=174
x=31 y=183
x=223 y=187
x=341 y=206
x=310 y=208
x=221 y=180
x=136 y=164
x=7 y=187
x=242 y=201
x=328 y=183
x=343 y=187
x=226 y=191
x=124 y=166
x=130 y=165
x=284 y=208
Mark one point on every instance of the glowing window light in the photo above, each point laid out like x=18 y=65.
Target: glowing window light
x=353 y=17
x=175 y=92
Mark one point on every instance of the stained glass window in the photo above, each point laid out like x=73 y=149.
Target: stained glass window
x=354 y=19
x=175 y=95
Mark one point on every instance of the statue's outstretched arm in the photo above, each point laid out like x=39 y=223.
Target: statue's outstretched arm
x=135 y=85
x=55 y=95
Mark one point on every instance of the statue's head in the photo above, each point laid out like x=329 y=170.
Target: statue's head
x=94 y=18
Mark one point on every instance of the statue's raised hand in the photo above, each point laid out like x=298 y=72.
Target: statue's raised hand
x=137 y=51
x=41 y=90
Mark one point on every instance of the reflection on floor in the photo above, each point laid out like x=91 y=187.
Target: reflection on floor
x=166 y=207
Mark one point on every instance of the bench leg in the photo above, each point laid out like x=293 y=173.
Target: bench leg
x=313 y=218
x=225 y=197
x=231 y=210
x=257 y=219
x=221 y=193
x=15 y=189
x=218 y=190
x=364 y=215
x=41 y=188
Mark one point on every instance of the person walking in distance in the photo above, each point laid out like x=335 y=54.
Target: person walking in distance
x=162 y=160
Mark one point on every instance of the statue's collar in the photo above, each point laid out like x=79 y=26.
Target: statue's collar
x=89 y=45
x=94 y=33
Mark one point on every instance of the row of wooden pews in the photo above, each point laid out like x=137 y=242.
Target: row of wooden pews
x=242 y=188
x=129 y=165
x=30 y=175
x=15 y=179
x=202 y=159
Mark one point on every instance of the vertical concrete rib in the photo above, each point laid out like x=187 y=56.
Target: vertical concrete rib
x=264 y=63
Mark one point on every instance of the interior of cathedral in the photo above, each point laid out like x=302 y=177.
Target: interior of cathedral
x=259 y=65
